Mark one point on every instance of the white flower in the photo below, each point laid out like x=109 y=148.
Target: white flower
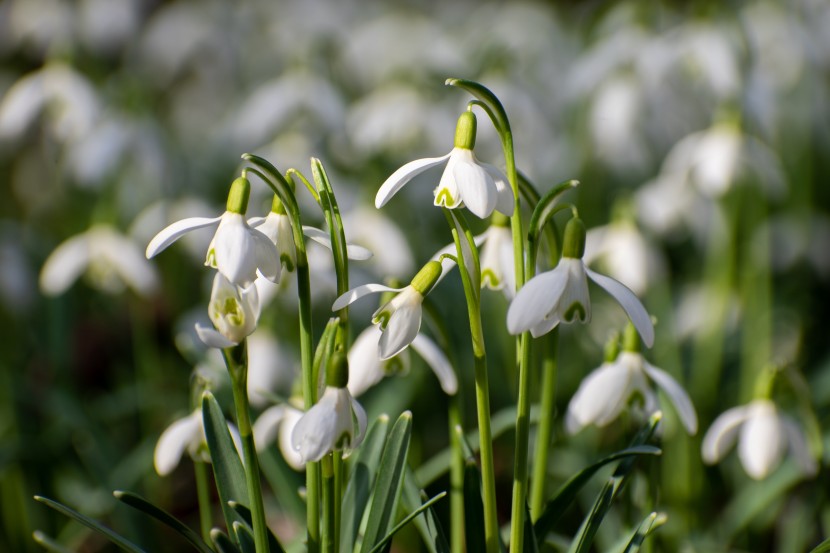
x=109 y=258
x=336 y=422
x=234 y=312
x=237 y=251
x=186 y=434
x=270 y=369
x=763 y=434
x=400 y=318
x=480 y=187
x=498 y=271
x=626 y=254
x=561 y=295
x=366 y=368
x=606 y=391
x=279 y=422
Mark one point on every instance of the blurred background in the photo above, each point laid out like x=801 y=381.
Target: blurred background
x=700 y=132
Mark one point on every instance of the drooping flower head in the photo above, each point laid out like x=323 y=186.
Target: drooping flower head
x=605 y=392
x=561 y=295
x=237 y=251
x=763 y=433
x=497 y=268
x=336 y=422
x=234 y=312
x=399 y=319
x=186 y=434
x=479 y=187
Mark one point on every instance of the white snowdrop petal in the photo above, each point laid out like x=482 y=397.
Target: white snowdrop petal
x=403 y=175
x=64 y=265
x=170 y=234
x=799 y=448
x=213 y=338
x=402 y=328
x=267 y=260
x=629 y=302
x=267 y=425
x=677 y=395
x=364 y=362
x=356 y=293
x=234 y=246
x=600 y=397
x=131 y=265
x=477 y=189
x=505 y=200
x=762 y=441
x=536 y=299
x=173 y=442
x=722 y=434
x=438 y=362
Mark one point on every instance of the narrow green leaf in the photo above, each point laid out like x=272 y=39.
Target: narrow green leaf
x=274 y=545
x=137 y=502
x=227 y=467
x=407 y=519
x=245 y=536
x=429 y=526
x=48 y=543
x=649 y=524
x=222 y=542
x=473 y=508
x=555 y=508
x=118 y=540
x=387 y=489
x=531 y=545
x=361 y=478
x=823 y=547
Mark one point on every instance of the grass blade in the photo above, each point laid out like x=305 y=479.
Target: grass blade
x=274 y=545
x=429 y=527
x=426 y=505
x=118 y=540
x=222 y=542
x=649 y=524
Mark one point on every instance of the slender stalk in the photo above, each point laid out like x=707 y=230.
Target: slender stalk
x=472 y=294
x=203 y=495
x=236 y=359
x=328 y=535
x=545 y=431
x=339 y=486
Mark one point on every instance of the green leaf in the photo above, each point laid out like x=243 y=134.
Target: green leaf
x=428 y=526
x=583 y=540
x=245 y=536
x=555 y=508
x=823 y=547
x=473 y=508
x=222 y=542
x=48 y=543
x=227 y=468
x=649 y=524
x=388 y=484
x=137 y=502
x=274 y=545
x=406 y=521
x=361 y=478
x=118 y=540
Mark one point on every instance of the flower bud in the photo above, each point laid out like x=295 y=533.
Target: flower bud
x=426 y=277
x=238 y=196
x=465 y=131
x=574 y=242
x=337 y=372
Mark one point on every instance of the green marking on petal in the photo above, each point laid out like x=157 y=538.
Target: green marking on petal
x=575 y=311
x=490 y=279
x=287 y=262
x=444 y=198
x=382 y=319
x=343 y=441
x=393 y=366
x=210 y=258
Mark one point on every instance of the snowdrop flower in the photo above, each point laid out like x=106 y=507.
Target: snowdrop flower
x=561 y=295
x=366 y=368
x=109 y=258
x=277 y=227
x=278 y=422
x=400 y=318
x=497 y=269
x=763 y=435
x=186 y=434
x=480 y=187
x=335 y=422
x=237 y=251
x=605 y=392
x=234 y=312
x=624 y=251
x=270 y=369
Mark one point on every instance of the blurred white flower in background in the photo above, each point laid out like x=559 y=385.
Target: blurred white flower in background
x=271 y=369
x=186 y=435
x=110 y=260
x=763 y=433
x=278 y=423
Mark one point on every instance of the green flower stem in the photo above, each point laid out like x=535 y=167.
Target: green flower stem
x=545 y=430
x=236 y=359
x=339 y=487
x=461 y=234
x=329 y=535
x=274 y=179
x=203 y=494
x=456 y=478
